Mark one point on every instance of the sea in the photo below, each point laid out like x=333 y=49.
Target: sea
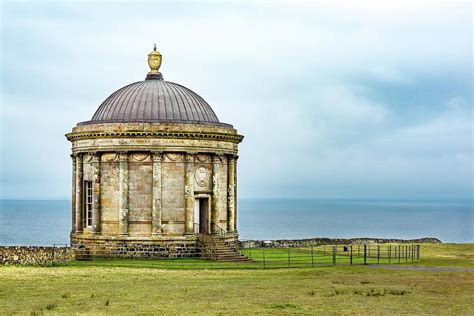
x=48 y=222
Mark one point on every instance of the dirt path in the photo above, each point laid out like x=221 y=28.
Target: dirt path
x=421 y=268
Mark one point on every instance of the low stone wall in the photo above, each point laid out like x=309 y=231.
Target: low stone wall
x=35 y=255
x=285 y=243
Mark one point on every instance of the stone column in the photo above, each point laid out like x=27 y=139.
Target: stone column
x=123 y=199
x=215 y=193
x=235 y=193
x=73 y=207
x=79 y=195
x=189 y=194
x=230 y=194
x=156 y=228
x=96 y=193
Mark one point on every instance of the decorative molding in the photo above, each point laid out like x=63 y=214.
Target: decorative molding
x=88 y=157
x=181 y=135
x=201 y=176
x=202 y=158
x=187 y=191
x=139 y=156
x=174 y=156
x=109 y=157
x=173 y=222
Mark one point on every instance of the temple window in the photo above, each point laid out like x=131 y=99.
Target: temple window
x=88 y=202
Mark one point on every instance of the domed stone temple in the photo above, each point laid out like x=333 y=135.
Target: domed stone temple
x=154 y=171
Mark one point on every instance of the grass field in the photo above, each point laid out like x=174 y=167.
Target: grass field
x=158 y=287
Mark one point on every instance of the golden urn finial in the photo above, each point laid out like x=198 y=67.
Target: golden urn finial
x=154 y=61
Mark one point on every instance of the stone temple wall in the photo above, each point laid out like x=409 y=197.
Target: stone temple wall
x=35 y=255
x=151 y=185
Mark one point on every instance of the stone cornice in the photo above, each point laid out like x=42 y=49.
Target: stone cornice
x=236 y=138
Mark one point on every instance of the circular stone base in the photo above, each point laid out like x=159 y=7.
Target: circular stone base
x=147 y=247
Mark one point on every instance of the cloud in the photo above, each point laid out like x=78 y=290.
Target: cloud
x=335 y=100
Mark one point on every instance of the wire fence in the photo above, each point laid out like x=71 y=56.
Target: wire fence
x=251 y=258
x=320 y=255
x=268 y=258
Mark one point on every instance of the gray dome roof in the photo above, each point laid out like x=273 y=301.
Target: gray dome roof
x=154 y=101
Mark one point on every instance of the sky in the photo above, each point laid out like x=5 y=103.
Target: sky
x=336 y=101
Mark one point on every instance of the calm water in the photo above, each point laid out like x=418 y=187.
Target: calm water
x=49 y=222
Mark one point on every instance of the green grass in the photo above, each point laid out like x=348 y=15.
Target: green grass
x=177 y=287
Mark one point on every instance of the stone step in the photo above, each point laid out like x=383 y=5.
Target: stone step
x=226 y=252
x=239 y=260
x=229 y=255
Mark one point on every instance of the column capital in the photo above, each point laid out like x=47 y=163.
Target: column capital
x=189 y=157
x=231 y=159
x=95 y=156
x=157 y=156
x=217 y=157
x=123 y=156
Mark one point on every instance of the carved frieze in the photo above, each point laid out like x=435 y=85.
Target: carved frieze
x=140 y=144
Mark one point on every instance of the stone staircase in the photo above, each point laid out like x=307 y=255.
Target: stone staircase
x=218 y=250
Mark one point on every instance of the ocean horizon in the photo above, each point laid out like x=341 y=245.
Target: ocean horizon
x=48 y=222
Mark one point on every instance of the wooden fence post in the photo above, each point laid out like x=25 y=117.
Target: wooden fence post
x=351 y=256
x=334 y=255
x=365 y=254
x=289 y=264
x=264 y=258
x=378 y=253
x=389 y=253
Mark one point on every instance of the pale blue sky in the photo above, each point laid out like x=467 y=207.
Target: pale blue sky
x=335 y=101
